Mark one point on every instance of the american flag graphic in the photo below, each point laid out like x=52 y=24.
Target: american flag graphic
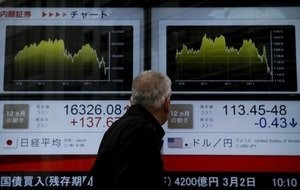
x=175 y=142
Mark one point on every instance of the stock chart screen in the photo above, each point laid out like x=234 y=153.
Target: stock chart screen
x=66 y=74
x=70 y=50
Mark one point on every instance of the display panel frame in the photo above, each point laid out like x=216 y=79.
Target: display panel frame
x=230 y=171
x=88 y=26
x=214 y=21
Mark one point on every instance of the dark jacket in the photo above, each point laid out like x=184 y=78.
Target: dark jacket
x=129 y=155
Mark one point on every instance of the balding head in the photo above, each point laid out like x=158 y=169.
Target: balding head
x=150 y=89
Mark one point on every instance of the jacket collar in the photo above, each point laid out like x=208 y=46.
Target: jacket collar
x=138 y=110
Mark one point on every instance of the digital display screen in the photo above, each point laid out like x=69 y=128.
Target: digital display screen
x=228 y=143
x=193 y=128
x=70 y=50
x=223 y=50
x=67 y=60
x=252 y=58
x=246 y=135
x=56 y=127
x=252 y=128
x=240 y=142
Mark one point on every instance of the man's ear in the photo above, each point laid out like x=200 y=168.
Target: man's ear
x=167 y=104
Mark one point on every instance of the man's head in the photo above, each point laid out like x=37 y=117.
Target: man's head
x=152 y=90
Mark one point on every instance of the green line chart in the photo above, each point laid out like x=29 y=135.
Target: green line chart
x=232 y=58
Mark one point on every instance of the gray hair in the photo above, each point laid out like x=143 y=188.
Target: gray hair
x=150 y=88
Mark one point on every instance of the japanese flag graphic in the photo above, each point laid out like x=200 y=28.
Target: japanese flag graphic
x=10 y=143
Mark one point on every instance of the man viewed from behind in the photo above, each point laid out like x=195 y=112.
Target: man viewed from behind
x=129 y=155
